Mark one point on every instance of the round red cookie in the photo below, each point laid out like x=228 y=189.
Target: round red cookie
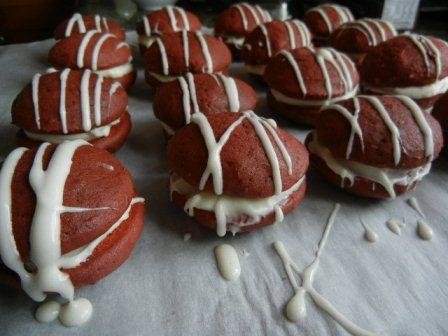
x=303 y=80
x=324 y=19
x=175 y=54
x=412 y=65
x=256 y=171
x=103 y=53
x=375 y=146
x=175 y=102
x=80 y=24
x=72 y=104
x=358 y=37
x=169 y=19
x=237 y=21
x=100 y=203
x=268 y=39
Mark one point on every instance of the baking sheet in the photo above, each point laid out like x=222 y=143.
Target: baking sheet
x=396 y=286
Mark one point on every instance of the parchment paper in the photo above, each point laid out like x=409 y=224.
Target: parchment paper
x=396 y=286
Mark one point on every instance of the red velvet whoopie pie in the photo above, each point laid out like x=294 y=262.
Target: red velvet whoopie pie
x=103 y=53
x=303 y=80
x=322 y=20
x=80 y=24
x=70 y=105
x=237 y=21
x=74 y=217
x=268 y=39
x=375 y=146
x=412 y=65
x=236 y=171
x=173 y=55
x=169 y=19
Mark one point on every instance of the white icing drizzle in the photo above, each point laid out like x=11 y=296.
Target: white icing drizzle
x=427 y=49
x=114 y=87
x=35 y=93
x=291 y=36
x=252 y=12
x=205 y=51
x=146 y=25
x=344 y=14
x=228 y=262
x=45 y=230
x=97 y=104
x=295 y=66
x=231 y=90
x=367 y=27
x=414 y=204
x=78 y=19
x=172 y=17
x=296 y=307
x=395 y=226
x=82 y=47
x=62 y=107
x=266 y=38
x=354 y=124
x=85 y=100
x=97 y=48
x=186 y=49
x=424 y=230
x=420 y=119
x=393 y=129
x=305 y=37
x=214 y=167
x=243 y=15
x=163 y=55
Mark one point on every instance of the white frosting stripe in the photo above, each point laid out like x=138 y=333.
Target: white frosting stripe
x=393 y=129
x=35 y=94
x=186 y=48
x=243 y=15
x=62 y=105
x=97 y=48
x=192 y=92
x=252 y=12
x=172 y=17
x=85 y=101
x=185 y=99
x=163 y=56
x=183 y=15
x=78 y=19
x=266 y=38
x=97 y=105
x=146 y=25
x=231 y=91
x=205 y=51
x=420 y=119
x=291 y=35
x=427 y=49
x=82 y=48
x=295 y=66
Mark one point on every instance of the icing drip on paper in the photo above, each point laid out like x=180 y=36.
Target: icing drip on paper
x=296 y=307
x=413 y=203
x=370 y=235
x=45 y=230
x=424 y=230
x=228 y=262
x=395 y=226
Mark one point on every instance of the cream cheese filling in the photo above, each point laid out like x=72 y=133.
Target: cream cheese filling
x=116 y=72
x=146 y=40
x=162 y=78
x=95 y=133
x=255 y=69
x=237 y=41
x=415 y=92
x=349 y=170
x=280 y=97
x=236 y=211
